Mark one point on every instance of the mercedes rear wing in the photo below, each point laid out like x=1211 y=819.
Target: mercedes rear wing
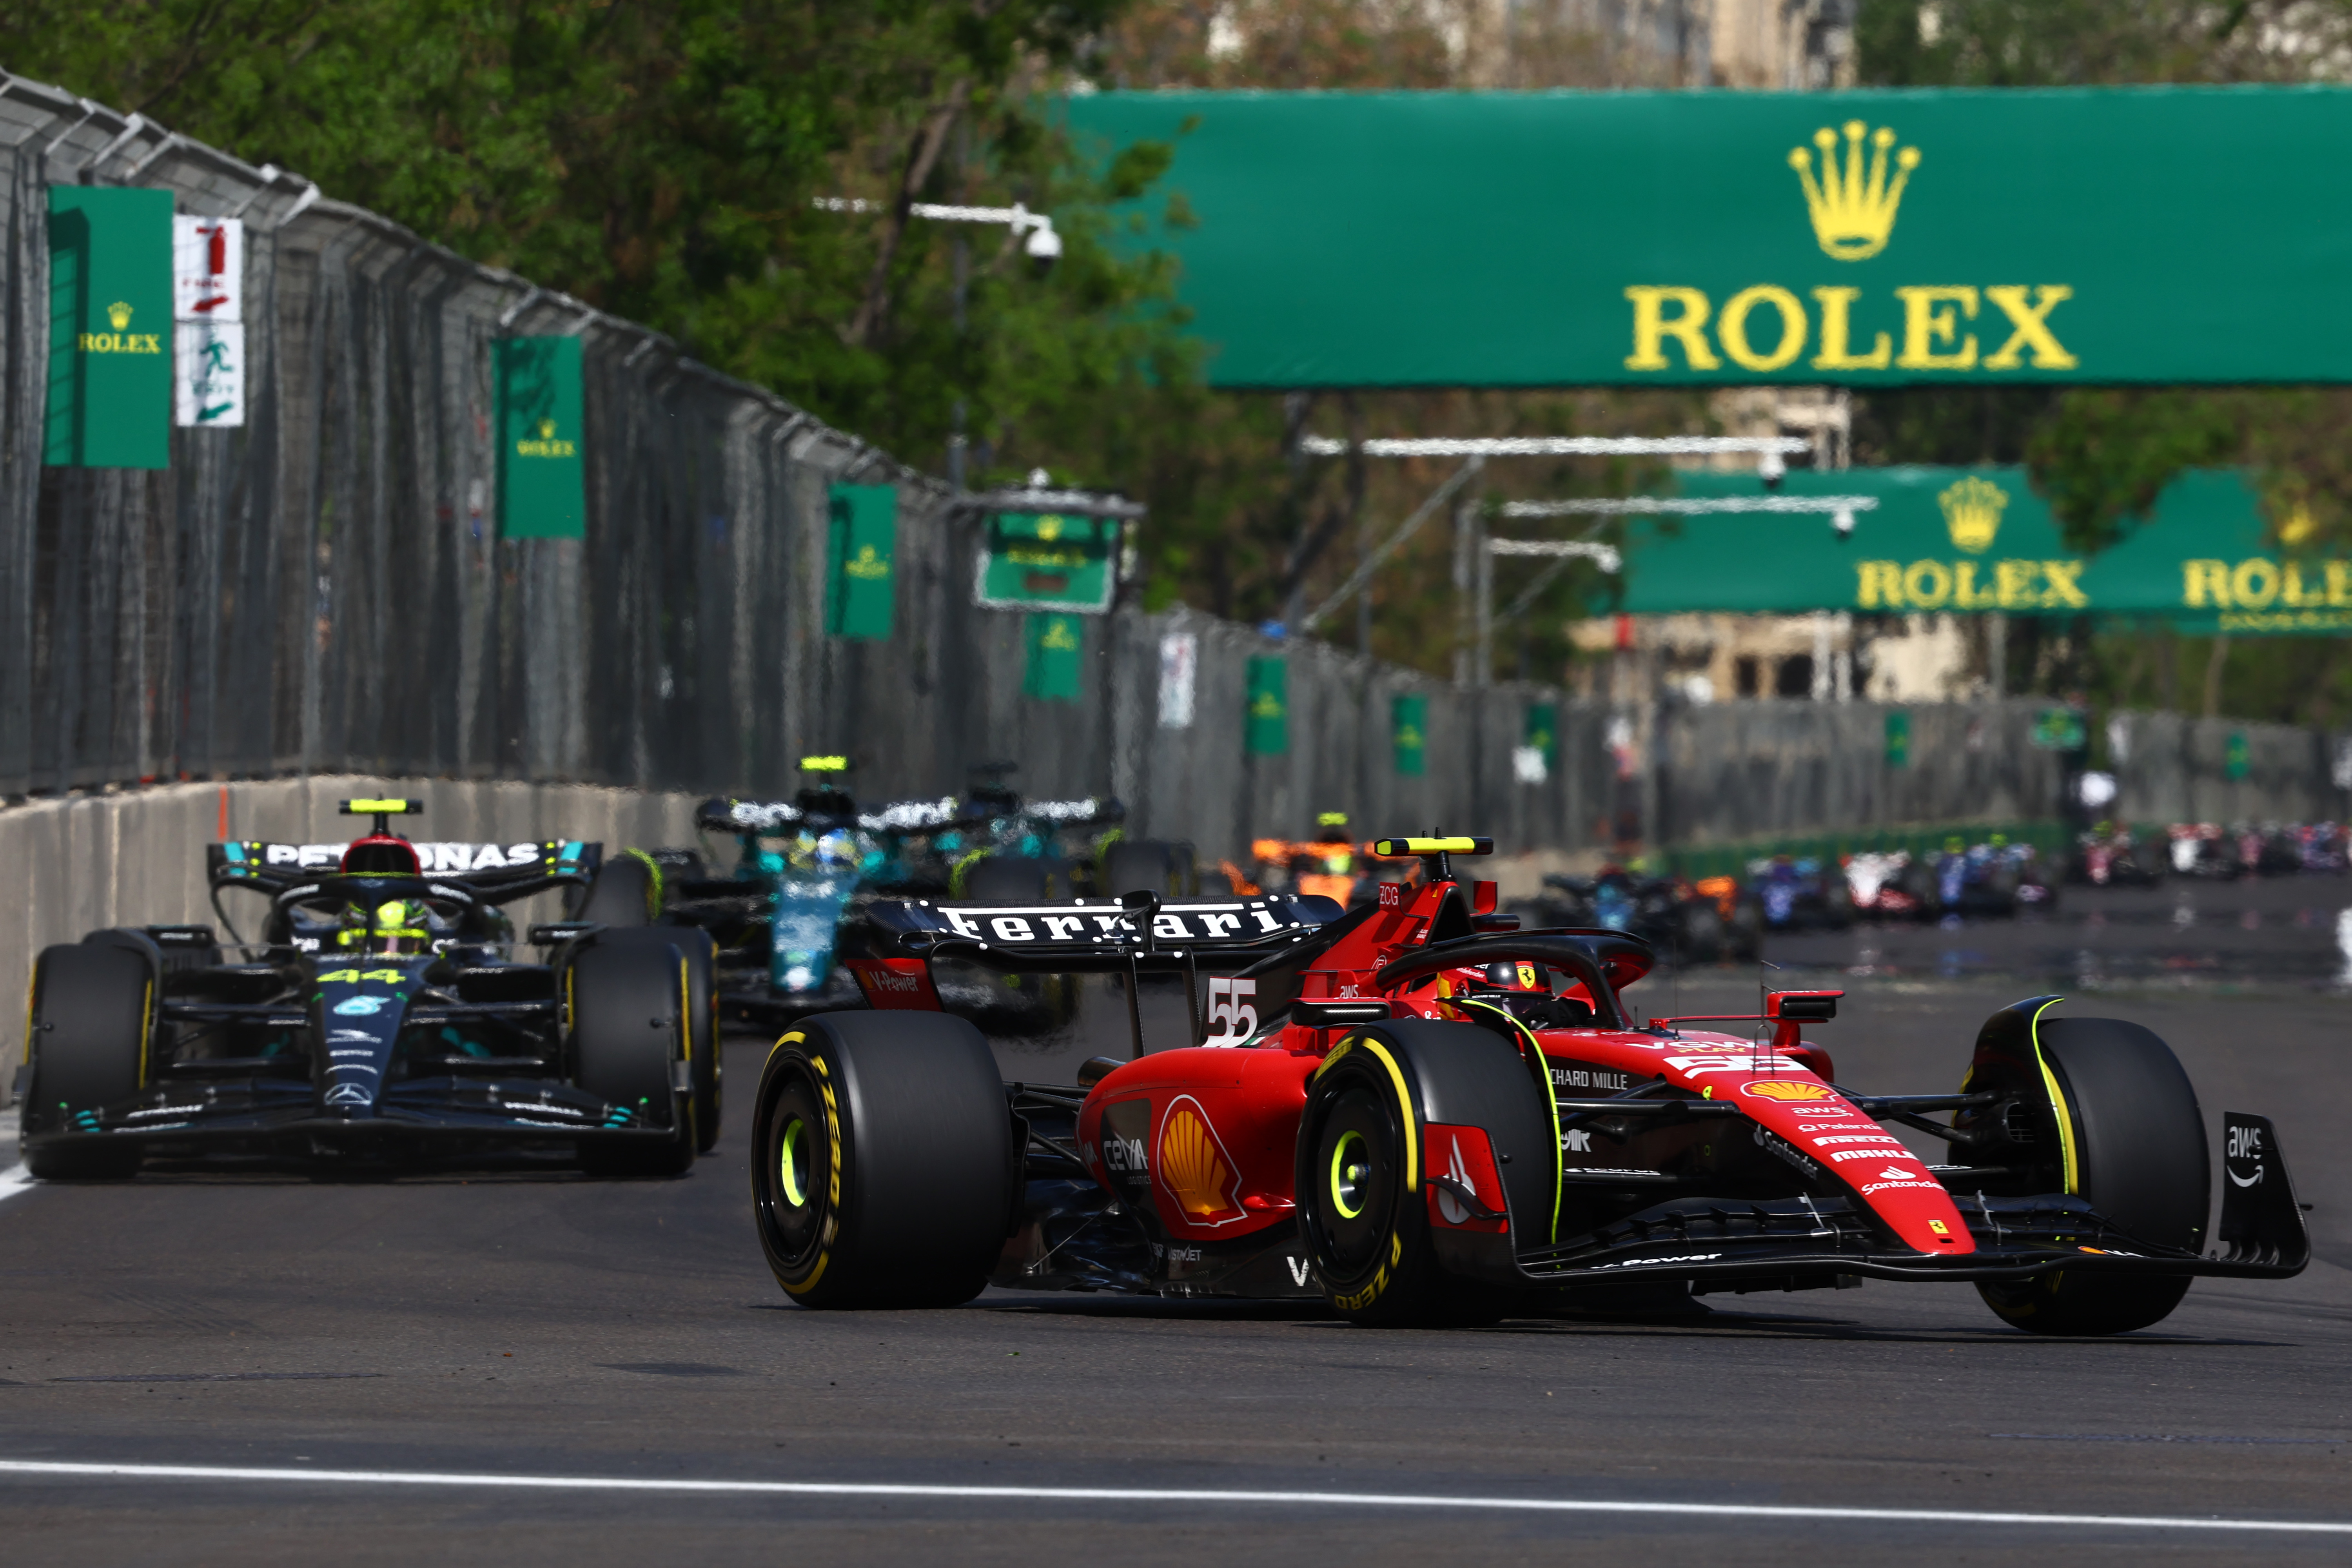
x=262 y=864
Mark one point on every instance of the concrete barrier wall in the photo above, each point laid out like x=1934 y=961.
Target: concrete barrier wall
x=136 y=856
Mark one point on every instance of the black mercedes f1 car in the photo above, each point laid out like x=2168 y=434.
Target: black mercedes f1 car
x=382 y=1016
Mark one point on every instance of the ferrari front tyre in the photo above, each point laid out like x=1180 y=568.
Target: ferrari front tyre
x=629 y=1023
x=694 y=945
x=1361 y=1178
x=883 y=1167
x=2134 y=1148
x=91 y=1014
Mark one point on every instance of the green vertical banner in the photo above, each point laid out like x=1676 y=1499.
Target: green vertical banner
x=2235 y=758
x=1543 y=732
x=110 y=328
x=1409 y=732
x=542 y=482
x=1267 y=732
x=864 y=541
x=1057 y=651
x=1898 y=738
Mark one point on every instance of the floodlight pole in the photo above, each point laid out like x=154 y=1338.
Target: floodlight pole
x=1473 y=568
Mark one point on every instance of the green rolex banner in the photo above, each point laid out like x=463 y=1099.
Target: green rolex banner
x=863 y=542
x=1543 y=732
x=1976 y=540
x=109 y=402
x=2157 y=235
x=1267 y=731
x=1409 y=732
x=1057 y=652
x=542 y=482
x=1898 y=738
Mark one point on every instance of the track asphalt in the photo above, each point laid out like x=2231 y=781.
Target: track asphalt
x=425 y=1337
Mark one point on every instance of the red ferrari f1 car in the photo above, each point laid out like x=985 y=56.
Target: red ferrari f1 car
x=1426 y=1116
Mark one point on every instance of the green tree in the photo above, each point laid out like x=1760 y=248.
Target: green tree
x=662 y=160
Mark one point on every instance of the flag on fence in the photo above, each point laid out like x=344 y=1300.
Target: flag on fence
x=1409 y=731
x=109 y=399
x=860 y=587
x=1267 y=730
x=543 y=481
x=1057 y=652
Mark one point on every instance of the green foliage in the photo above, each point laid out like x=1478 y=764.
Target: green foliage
x=661 y=162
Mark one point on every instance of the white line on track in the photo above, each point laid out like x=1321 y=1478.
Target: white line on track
x=14 y=1181
x=1158 y=1494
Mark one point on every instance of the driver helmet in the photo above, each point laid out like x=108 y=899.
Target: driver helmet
x=391 y=929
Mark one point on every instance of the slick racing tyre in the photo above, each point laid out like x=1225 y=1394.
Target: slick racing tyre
x=702 y=1052
x=1141 y=866
x=1007 y=880
x=1699 y=933
x=626 y=892
x=1363 y=1171
x=629 y=1028
x=92 y=1017
x=2139 y=1153
x=883 y=1167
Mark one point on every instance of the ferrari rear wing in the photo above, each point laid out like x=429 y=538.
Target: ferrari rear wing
x=1080 y=936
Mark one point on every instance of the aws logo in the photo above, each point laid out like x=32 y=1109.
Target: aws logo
x=1852 y=205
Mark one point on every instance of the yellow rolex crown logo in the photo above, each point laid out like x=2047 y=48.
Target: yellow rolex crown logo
x=1854 y=210
x=120 y=314
x=1049 y=528
x=547 y=429
x=1972 y=511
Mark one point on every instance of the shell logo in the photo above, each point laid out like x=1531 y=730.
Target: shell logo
x=1786 y=1091
x=1194 y=1167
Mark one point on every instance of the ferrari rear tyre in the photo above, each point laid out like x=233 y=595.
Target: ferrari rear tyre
x=703 y=1051
x=2139 y=1158
x=1361 y=1179
x=883 y=1167
x=629 y=1025
x=89 y=1031
x=626 y=892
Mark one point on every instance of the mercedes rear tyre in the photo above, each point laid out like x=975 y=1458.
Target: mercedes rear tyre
x=625 y=891
x=703 y=1051
x=2135 y=1140
x=883 y=1165
x=629 y=1030
x=91 y=1018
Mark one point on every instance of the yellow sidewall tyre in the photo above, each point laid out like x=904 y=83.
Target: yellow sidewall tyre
x=883 y=1165
x=1363 y=1212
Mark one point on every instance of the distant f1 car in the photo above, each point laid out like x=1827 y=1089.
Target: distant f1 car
x=793 y=905
x=381 y=1016
x=1423 y=1116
